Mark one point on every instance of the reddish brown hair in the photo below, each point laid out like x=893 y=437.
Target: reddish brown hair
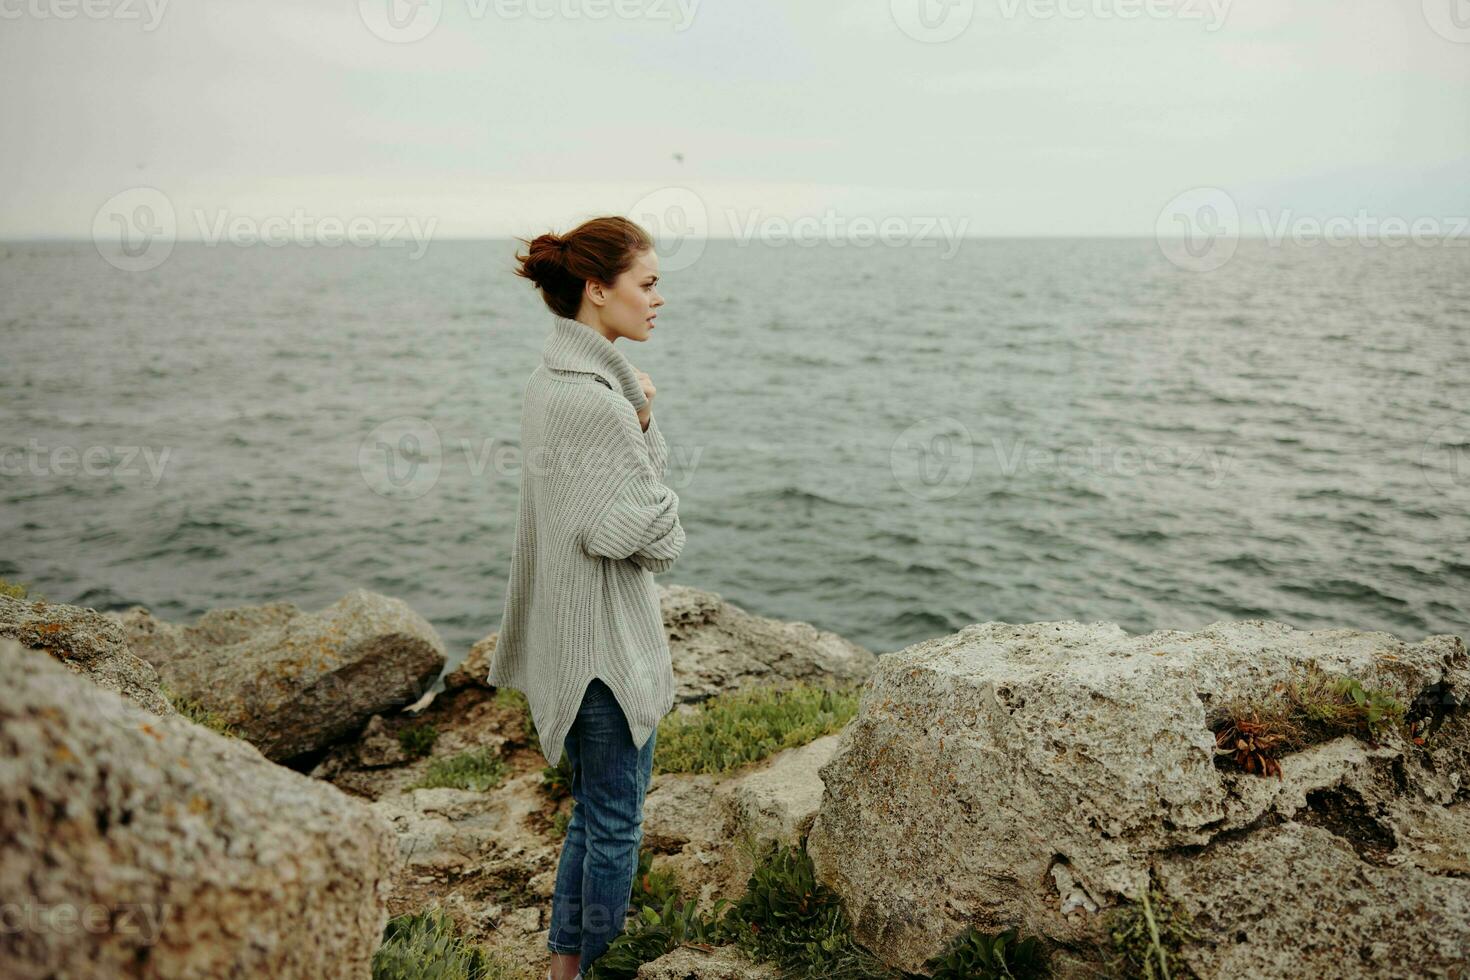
x=598 y=250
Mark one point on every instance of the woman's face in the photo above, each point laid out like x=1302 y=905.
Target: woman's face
x=628 y=307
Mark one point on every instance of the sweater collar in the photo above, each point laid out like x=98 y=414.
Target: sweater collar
x=574 y=346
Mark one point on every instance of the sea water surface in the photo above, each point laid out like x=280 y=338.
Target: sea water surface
x=881 y=441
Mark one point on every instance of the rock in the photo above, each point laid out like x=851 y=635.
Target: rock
x=778 y=801
x=1297 y=901
x=88 y=643
x=1033 y=775
x=455 y=831
x=717 y=647
x=708 y=829
x=293 y=682
x=522 y=921
x=158 y=848
x=377 y=748
x=475 y=667
x=698 y=963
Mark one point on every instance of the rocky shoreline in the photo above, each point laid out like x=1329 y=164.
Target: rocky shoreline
x=1036 y=776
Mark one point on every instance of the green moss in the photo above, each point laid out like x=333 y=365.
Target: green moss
x=426 y=946
x=418 y=740
x=735 y=729
x=477 y=771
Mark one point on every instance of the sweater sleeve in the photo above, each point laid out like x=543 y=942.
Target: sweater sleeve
x=658 y=449
x=640 y=520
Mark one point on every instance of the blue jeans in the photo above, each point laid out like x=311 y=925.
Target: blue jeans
x=599 y=857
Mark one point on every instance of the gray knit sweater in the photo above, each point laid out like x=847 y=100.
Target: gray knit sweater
x=595 y=522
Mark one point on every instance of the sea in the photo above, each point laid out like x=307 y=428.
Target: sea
x=890 y=442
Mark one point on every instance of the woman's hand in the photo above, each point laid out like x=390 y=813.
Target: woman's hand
x=649 y=391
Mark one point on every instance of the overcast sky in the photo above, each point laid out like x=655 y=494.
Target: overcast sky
x=1038 y=117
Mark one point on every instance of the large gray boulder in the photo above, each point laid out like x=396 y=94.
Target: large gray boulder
x=716 y=647
x=1040 y=775
x=290 y=681
x=157 y=848
x=89 y=643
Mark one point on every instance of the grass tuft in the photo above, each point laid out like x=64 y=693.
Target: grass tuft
x=1313 y=707
x=199 y=714
x=1147 y=935
x=477 y=771
x=744 y=726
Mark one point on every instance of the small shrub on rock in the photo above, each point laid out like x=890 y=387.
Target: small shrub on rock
x=787 y=917
x=556 y=781
x=418 y=740
x=980 y=956
x=1314 y=707
x=1147 y=936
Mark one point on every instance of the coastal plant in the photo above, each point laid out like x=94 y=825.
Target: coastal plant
x=652 y=932
x=652 y=889
x=1252 y=743
x=556 y=781
x=1147 y=936
x=199 y=714
x=661 y=921
x=476 y=770
x=418 y=740
x=1345 y=705
x=426 y=946
x=559 y=824
x=977 y=955
x=513 y=700
x=13 y=590
x=789 y=918
x=1313 y=707
x=739 y=727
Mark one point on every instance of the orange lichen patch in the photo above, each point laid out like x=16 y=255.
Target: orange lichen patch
x=198 y=804
x=63 y=754
x=145 y=727
x=48 y=629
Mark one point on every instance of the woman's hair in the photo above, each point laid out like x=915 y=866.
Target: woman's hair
x=599 y=250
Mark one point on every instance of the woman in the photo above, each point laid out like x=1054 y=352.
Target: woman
x=582 y=635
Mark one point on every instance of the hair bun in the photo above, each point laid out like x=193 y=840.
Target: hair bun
x=605 y=249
